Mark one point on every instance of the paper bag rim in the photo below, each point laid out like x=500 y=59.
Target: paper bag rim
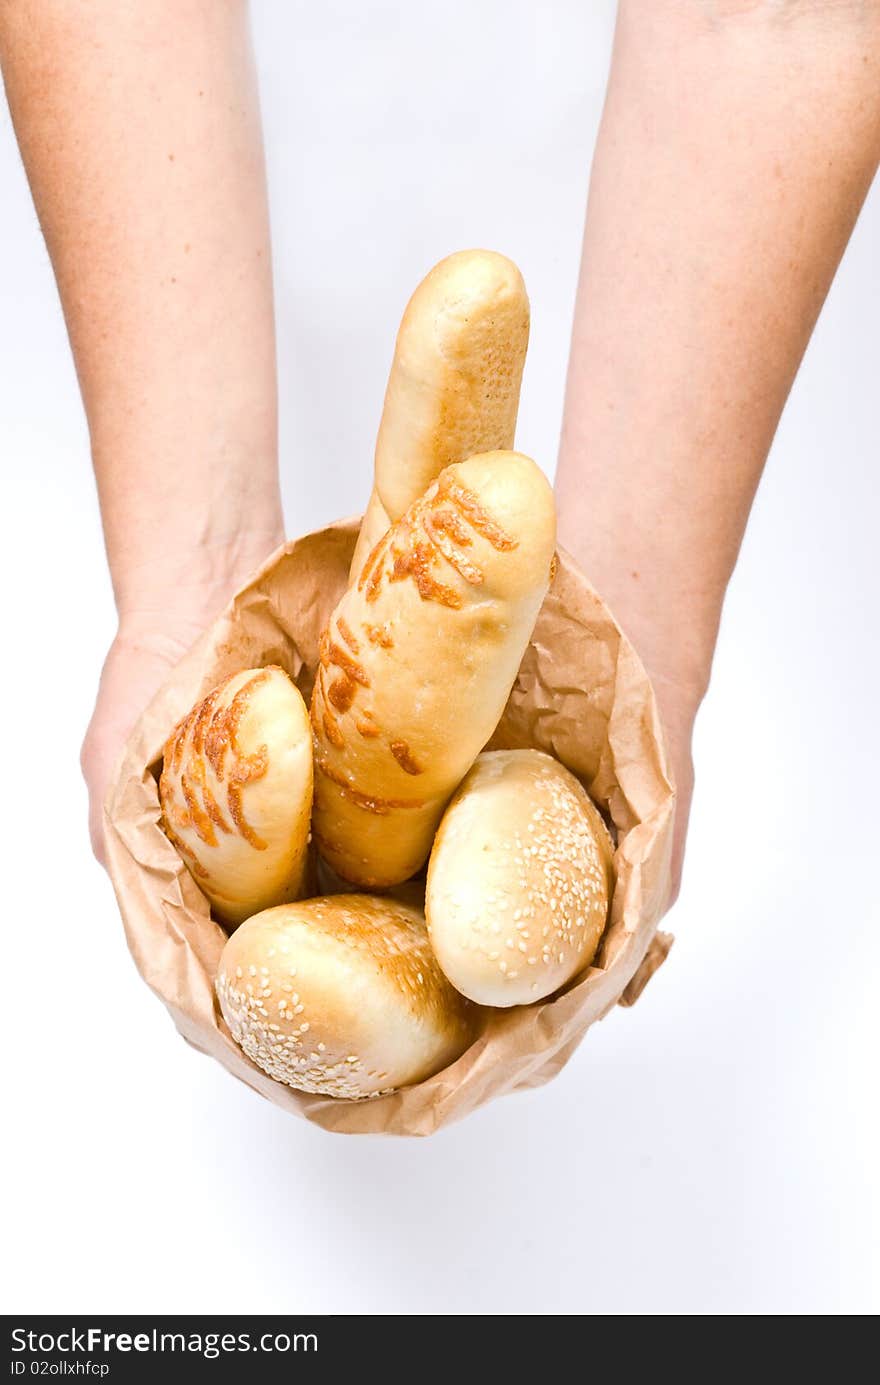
x=175 y=943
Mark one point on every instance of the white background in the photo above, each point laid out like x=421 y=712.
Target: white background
x=713 y=1150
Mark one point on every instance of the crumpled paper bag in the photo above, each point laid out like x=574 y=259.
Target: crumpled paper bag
x=581 y=694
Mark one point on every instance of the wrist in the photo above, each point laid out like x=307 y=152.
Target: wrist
x=186 y=590
x=676 y=650
x=673 y=635
x=666 y=597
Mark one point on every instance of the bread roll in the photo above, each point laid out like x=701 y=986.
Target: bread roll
x=419 y=659
x=236 y=792
x=519 y=881
x=341 y=997
x=454 y=384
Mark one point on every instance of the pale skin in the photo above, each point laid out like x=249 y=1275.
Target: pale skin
x=737 y=145
x=139 y=127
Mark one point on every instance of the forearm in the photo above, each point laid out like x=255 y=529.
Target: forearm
x=736 y=148
x=139 y=127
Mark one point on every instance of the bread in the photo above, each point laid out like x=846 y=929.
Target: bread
x=341 y=997
x=236 y=792
x=419 y=659
x=454 y=385
x=519 y=880
x=408 y=892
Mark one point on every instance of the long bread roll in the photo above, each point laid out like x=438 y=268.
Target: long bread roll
x=519 y=881
x=236 y=792
x=454 y=385
x=419 y=658
x=341 y=997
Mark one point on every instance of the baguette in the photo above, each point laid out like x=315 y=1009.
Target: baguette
x=341 y=997
x=236 y=792
x=519 y=881
x=454 y=385
x=419 y=659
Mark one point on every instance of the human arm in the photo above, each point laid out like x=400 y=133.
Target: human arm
x=138 y=124
x=737 y=145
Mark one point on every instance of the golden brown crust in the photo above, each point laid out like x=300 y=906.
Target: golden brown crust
x=476 y=514
x=207 y=768
x=212 y=808
x=197 y=818
x=379 y=635
x=405 y=758
x=433 y=534
x=333 y=653
x=347 y=634
x=180 y=846
x=314 y=712
x=245 y=773
x=416 y=559
x=436 y=529
x=371 y=803
x=519 y=880
x=453 y=391
x=341 y=692
x=449 y=536
x=366 y=726
x=290 y=985
x=210 y=732
x=459 y=579
x=330 y=727
x=371 y=573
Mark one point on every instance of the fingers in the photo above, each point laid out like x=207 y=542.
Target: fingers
x=95 y=763
x=131 y=675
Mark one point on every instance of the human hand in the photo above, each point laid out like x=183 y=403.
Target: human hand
x=144 y=154
x=677 y=665
x=695 y=304
x=135 y=666
x=152 y=637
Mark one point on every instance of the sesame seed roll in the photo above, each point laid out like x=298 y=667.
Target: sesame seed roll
x=341 y=996
x=519 y=880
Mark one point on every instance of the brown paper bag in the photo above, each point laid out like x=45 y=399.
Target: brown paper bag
x=582 y=694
